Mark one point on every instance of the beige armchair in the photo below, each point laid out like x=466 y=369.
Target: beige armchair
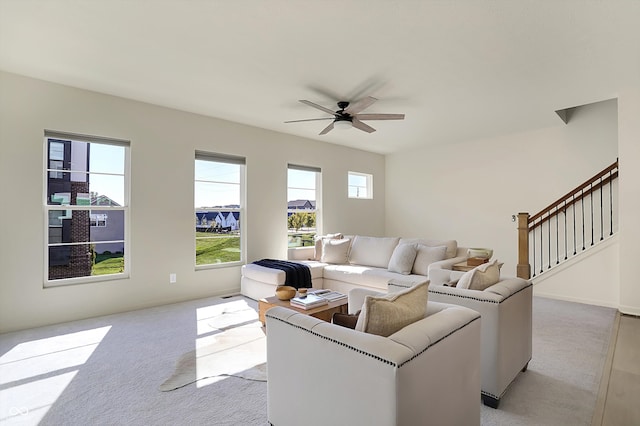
x=324 y=374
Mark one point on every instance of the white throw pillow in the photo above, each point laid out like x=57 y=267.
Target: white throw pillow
x=384 y=315
x=451 y=245
x=481 y=277
x=425 y=256
x=335 y=251
x=402 y=259
x=318 y=243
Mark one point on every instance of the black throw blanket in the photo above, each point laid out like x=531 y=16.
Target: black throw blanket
x=297 y=274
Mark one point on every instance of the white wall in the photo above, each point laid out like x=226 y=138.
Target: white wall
x=593 y=277
x=629 y=139
x=470 y=190
x=163 y=142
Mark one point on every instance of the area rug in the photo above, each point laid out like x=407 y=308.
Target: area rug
x=570 y=345
x=233 y=344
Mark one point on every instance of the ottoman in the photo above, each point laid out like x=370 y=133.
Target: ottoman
x=258 y=282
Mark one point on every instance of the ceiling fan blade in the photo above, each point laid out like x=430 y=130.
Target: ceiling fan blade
x=320 y=107
x=310 y=119
x=327 y=129
x=360 y=105
x=380 y=116
x=360 y=125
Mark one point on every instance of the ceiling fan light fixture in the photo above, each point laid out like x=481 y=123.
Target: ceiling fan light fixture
x=342 y=124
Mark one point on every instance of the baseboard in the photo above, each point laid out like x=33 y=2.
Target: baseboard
x=574 y=299
x=629 y=310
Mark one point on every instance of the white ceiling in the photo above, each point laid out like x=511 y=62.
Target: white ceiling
x=459 y=70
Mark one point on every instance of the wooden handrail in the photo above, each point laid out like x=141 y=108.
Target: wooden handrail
x=572 y=193
x=561 y=206
x=528 y=223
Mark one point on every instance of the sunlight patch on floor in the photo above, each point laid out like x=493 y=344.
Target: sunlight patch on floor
x=238 y=345
x=27 y=386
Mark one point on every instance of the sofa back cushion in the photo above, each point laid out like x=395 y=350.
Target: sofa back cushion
x=452 y=245
x=372 y=251
x=425 y=256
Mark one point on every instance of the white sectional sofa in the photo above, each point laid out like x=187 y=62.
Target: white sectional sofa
x=346 y=262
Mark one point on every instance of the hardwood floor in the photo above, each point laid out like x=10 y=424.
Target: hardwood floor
x=618 y=402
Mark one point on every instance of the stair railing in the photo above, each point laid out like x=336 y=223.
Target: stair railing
x=569 y=225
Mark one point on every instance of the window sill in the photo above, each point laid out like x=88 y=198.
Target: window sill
x=219 y=265
x=84 y=280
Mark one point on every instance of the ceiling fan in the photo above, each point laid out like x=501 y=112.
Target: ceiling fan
x=349 y=115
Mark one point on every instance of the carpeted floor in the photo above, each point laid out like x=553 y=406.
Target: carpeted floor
x=108 y=370
x=560 y=387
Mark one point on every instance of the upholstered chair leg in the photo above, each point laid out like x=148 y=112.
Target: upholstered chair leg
x=490 y=401
x=525 y=367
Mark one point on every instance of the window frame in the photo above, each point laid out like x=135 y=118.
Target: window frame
x=368 y=185
x=227 y=159
x=318 y=196
x=69 y=209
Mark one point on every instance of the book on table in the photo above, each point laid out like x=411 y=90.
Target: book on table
x=308 y=302
x=329 y=295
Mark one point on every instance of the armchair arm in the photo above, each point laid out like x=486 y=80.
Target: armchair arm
x=356 y=298
x=442 y=272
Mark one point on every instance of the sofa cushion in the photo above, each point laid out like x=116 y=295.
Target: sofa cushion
x=452 y=245
x=363 y=276
x=425 y=256
x=481 y=277
x=402 y=259
x=318 y=243
x=384 y=315
x=335 y=251
x=372 y=251
x=316 y=268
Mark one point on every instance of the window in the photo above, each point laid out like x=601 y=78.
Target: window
x=360 y=185
x=302 y=205
x=219 y=207
x=86 y=181
x=98 y=220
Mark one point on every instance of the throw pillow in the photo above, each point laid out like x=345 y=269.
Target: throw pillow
x=335 y=251
x=384 y=315
x=402 y=259
x=318 y=243
x=425 y=256
x=481 y=277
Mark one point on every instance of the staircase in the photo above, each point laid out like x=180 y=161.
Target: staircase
x=571 y=225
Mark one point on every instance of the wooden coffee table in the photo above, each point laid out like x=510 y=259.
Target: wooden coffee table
x=324 y=312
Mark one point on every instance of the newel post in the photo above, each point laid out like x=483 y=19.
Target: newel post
x=523 y=269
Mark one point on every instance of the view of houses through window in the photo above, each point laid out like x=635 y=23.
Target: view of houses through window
x=218 y=195
x=302 y=209
x=86 y=206
x=360 y=185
